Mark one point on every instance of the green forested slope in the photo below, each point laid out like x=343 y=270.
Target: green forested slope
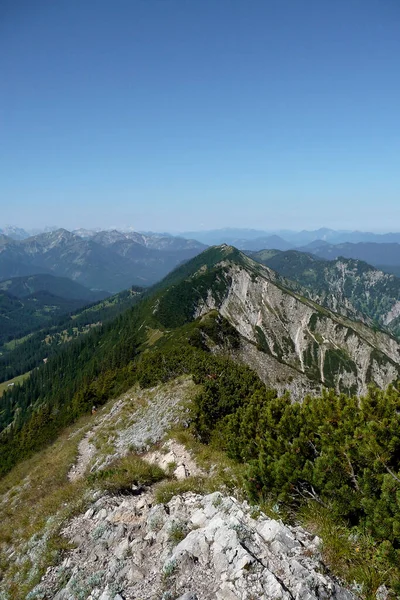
x=93 y=367
x=21 y=316
x=36 y=301
x=21 y=287
x=22 y=354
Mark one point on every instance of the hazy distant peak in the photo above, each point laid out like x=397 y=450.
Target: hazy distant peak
x=14 y=232
x=5 y=239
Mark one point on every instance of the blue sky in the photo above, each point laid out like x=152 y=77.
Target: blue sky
x=193 y=114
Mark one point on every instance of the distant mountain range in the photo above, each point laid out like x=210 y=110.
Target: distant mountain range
x=15 y=233
x=292 y=238
x=222 y=236
x=113 y=260
x=108 y=260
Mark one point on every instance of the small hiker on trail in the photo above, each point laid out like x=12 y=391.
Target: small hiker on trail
x=94 y=410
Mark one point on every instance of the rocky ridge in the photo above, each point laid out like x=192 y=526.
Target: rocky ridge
x=318 y=346
x=193 y=547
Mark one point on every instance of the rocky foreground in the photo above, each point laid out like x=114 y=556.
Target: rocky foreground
x=193 y=547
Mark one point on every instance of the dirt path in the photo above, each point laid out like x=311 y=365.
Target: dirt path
x=138 y=419
x=86 y=451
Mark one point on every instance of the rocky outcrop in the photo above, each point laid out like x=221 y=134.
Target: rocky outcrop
x=174 y=457
x=194 y=547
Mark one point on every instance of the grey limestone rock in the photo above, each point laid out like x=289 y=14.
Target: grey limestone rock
x=223 y=554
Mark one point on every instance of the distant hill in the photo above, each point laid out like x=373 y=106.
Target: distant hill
x=271 y=241
x=31 y=302
x=214 y=237
x=243 y=239
x=21 y=316
x=28 y=341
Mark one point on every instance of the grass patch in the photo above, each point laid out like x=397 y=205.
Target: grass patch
x=153 y=335
x=16 y=380
x=177 y=532
x=125 y=472
x=166 y=490
x=36 y=500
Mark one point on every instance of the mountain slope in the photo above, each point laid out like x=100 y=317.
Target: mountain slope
x=36 y=301
x=53 y=332
x=350 y=287
x=184 y=334
x=221 y=301
x=22 y=316
x=90 y=489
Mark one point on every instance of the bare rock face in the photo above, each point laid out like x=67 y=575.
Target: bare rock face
x=302 y=347
x=174 y=456
x=193 y=548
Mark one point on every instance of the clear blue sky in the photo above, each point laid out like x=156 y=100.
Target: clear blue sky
x=188 y=114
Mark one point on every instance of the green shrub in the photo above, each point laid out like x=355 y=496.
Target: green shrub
x=177 y=532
